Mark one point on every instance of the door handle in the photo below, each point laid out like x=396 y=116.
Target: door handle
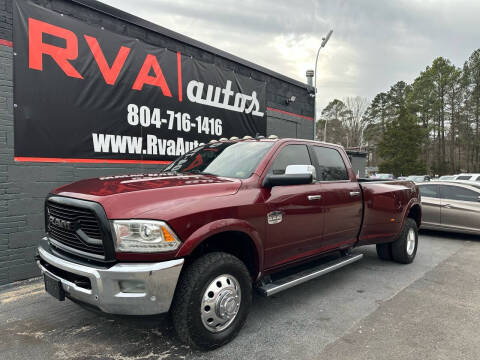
x=354 y=193
x=447 y=206
x=314 y=197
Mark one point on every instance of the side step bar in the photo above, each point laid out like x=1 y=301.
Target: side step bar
x=308 y=274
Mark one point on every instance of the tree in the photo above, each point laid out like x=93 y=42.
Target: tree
x=454 y=100
x=432 y=88
x=354 y=122
x=421 y=103
x=376 y=119
x=443 y=101
x=383 y=110
x=345 y=121
x=334 y=115
x=472 y=75
x=376 y=115
x=400 y=147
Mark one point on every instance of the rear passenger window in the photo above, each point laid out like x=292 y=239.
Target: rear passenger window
x=330 y=164
x=290 y=155
x=429 y=191
x=464 y=177
x=459 y=193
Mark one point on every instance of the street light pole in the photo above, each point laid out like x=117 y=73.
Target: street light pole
x=322 y=45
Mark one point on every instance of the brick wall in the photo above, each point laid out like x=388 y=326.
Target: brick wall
x=23 y=186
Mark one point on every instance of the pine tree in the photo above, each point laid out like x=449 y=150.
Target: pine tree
x=400 y=147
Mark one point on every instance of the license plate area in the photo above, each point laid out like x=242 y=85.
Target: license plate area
x=54 y=287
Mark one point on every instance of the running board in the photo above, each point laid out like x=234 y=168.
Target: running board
x=287 y=282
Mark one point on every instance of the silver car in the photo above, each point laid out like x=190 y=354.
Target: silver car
x=451 y=206
x=418 y=178
x=446 y=177
x=469 y=177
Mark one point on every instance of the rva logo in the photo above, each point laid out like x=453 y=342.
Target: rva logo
x=195 y=91
x=64 y=56
x=150 y=72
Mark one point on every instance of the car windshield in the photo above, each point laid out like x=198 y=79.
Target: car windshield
x=229 y=159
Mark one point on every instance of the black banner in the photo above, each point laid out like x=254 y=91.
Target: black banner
x=82 y=92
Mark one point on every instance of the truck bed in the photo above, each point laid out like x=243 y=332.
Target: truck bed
x=384 y=205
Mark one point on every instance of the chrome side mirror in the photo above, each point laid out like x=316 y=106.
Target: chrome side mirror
x=301 y=169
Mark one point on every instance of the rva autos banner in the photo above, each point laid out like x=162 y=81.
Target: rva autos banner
x=83 y=92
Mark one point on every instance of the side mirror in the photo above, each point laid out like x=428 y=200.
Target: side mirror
x=300 y=169
x=294 y=175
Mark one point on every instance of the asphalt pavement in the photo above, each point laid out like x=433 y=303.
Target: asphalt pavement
x=369 y=310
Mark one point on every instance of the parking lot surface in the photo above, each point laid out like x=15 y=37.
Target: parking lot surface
x=369 y=310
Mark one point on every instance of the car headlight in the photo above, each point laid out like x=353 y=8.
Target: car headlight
x=146 y=236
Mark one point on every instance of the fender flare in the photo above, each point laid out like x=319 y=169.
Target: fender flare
x=217 y=227
x=409 y=206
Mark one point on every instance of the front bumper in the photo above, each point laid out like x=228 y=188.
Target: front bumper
x=159 y=281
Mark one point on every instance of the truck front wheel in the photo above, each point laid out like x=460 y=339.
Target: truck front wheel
x=212 y=300
x=404 y=248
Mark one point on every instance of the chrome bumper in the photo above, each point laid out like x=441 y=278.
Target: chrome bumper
x=159 y=281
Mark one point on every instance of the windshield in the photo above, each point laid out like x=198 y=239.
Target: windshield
x=229 y=159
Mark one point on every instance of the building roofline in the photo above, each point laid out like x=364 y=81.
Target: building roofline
x=124 y=16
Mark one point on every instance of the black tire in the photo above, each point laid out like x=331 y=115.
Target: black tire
x=187 y=301
x=400 y=251
x=384 y=251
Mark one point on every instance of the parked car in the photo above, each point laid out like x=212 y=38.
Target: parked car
x=446 y=177
x=224 y=218
x=451 y=206
x=467 y=177
x=418 y=178
x=383 y=176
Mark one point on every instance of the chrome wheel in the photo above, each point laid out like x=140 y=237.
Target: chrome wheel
x=410 y=242
x=220 y=303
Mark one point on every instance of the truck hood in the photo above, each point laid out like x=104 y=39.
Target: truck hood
x=129 y=196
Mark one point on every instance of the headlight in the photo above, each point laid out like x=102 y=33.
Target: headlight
x=147 y=236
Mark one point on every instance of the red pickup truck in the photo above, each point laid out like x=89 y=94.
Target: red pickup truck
x=223 y=219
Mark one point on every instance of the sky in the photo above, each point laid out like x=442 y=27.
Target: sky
x=375 y=43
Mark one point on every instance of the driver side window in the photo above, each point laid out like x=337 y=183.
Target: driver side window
x=290 y=155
